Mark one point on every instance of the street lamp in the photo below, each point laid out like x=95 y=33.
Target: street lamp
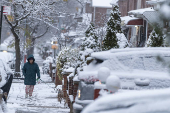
x=54 y=47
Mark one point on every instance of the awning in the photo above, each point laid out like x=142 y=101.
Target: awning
x=152 y=17
x=136 y=22
x=128 y=20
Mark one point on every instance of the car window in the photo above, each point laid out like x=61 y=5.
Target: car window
x=86 y=91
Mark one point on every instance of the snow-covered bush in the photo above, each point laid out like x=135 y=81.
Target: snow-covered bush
x=67 y=58
x=91 y=41
x=156 y=38
x=89 y=45
x=122 y=40
x=84 y=58
x=114 y=37
x=113 y=27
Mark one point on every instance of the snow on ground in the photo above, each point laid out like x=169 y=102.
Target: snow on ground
x=44 y=97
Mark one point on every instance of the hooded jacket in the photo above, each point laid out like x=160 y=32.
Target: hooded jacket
x=30 y=71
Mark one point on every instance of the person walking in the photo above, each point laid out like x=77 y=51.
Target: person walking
x=30 y=69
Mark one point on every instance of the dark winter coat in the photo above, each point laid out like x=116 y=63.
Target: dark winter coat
x=30 y=71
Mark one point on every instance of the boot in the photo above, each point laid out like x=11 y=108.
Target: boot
x=26 y=95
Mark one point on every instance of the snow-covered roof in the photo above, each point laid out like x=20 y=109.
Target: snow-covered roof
x=114 y=2
x=102 y=3
x=126 y=19
x=153 y=2
x=141 y=11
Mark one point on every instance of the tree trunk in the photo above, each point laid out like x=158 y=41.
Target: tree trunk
x=31 y=49
x=17 y=50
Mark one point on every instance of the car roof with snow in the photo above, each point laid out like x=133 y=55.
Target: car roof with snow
x=131 y=64
x=145 y=101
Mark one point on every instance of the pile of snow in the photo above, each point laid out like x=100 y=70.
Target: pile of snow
x=113 y=84
x=103 y=74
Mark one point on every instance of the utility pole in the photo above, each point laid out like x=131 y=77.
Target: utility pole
x=1 y=23
x=59 y=32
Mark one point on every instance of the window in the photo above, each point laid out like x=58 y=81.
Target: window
x=108 y=11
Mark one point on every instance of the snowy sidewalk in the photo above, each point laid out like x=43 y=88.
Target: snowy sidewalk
x=44 y=97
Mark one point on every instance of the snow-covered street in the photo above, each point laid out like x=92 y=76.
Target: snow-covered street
x=44 y=97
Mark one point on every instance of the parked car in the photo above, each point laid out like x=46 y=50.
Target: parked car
x=138 y=69
x=6 y=76
x=145 y=101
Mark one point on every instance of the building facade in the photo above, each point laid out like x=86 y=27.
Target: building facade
x=100 y=12
x=127 y=5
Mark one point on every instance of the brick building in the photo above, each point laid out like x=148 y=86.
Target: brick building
x=127 y=5
x=100 y=11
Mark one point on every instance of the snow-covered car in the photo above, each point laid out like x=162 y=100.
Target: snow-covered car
x=6 y=74
x=145 y=101
x=6 y=78
x=138 y=69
